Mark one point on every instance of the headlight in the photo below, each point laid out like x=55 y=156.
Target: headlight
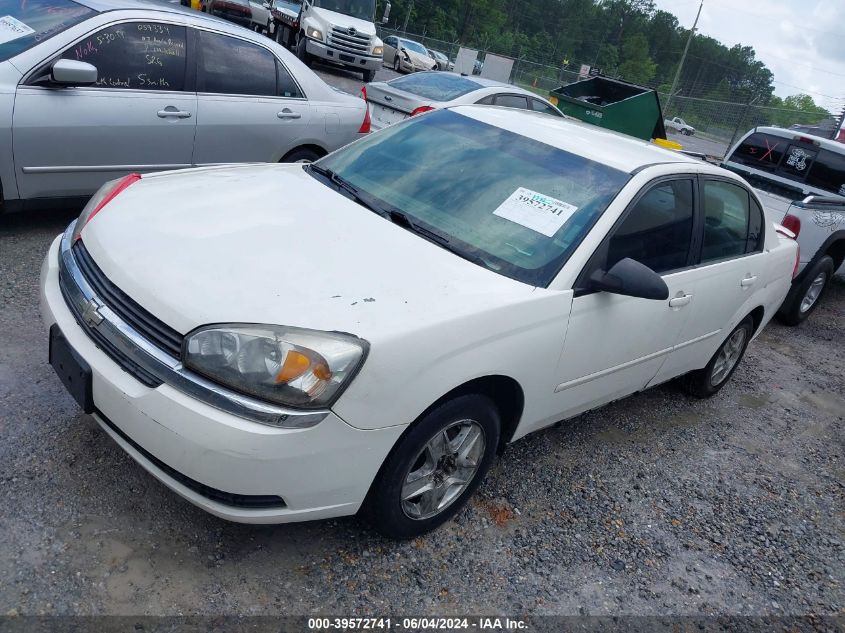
x=314 y=34
x=104 y=195
x=378 y=50
x=285 y=365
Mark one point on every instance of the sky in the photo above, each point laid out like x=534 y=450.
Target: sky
x=801 y=41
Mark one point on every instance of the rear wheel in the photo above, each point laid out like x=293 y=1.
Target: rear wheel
x=715 y=375
x=803 y=298
x=434 y=468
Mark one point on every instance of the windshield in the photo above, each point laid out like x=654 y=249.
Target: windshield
x=361 y=9
x=25 y=23
x=509 y=203
x=435 y=86
x=413 y=46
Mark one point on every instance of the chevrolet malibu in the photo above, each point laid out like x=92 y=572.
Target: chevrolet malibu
x=287 y=342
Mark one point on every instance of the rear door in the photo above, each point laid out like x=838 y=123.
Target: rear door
x=730 y=272
x=249 y=107
x=139 y=116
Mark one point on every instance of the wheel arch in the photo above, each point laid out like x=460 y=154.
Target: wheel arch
x=757 y=315
x=310 y=146
x=836 y=249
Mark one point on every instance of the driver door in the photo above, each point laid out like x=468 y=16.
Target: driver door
x=616 y=344
x=139 y=116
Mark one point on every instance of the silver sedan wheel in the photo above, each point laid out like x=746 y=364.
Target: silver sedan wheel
x=813 y=292
x=443 y=469
x=728 y=357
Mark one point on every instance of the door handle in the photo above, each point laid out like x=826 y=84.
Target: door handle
x=748 y=281
x=679 y=302
x=287 y=113
x=176 y=114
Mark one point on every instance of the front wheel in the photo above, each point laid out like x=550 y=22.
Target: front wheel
x=434 y=468
x=369 y=75
x=397 y=66
x=803 y=298
x=715 y=375
x=302 y=51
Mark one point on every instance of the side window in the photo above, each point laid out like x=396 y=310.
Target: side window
x=512 y=101
x=391 y=41
x=828 y=172
x=486 y=100
x=228 y=65
x=657 y=231
x=726 y=221
x=286 y=85
x=135 y=56
x=545 y=108
x=796 y=164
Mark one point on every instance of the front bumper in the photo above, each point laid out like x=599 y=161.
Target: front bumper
x=198 y=450
x=323 y=51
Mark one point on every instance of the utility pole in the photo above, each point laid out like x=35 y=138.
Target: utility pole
x=683 y=57
x=408 y=17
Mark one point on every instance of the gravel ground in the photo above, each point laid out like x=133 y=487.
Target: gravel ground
x=660 y=504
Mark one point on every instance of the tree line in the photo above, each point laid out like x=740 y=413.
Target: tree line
x=630 y=39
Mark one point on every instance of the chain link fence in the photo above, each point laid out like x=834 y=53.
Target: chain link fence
x=718 y=122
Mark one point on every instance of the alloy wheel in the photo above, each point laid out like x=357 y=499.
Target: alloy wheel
x=443 y=469
x=813 y=292
x=728 y=356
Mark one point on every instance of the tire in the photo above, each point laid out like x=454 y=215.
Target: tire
x=429 y=454
x=397 y=66
x=301 y=50
x=804 y=297
x=715 y=375
x=269 y=29
x=369 y=75
x=301 y=155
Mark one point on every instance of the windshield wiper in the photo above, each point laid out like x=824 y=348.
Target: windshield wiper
x=400 y=219
x=348 y=187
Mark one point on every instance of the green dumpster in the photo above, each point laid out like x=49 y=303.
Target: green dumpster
x=612 y=104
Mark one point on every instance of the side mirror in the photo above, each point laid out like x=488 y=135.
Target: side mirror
x=68 y=72
x=386 y=15
x=631 y=278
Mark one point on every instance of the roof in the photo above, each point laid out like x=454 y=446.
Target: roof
x=783 y=132
x=160 y=5
x=603 y=146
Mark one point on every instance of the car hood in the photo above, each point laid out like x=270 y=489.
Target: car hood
x=271 y=244
x=344 y=21
x=418 y=59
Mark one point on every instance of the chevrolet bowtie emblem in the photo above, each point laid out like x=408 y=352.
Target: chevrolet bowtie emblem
x=91 y=313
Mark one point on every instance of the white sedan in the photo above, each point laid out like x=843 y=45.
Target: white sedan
x=287 y=342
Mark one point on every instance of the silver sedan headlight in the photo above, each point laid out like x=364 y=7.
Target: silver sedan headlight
x=285 y=365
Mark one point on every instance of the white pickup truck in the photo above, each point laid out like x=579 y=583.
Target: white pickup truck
x=801 y=180
x=679 y=125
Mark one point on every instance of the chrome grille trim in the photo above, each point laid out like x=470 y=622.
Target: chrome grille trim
x=126 y=346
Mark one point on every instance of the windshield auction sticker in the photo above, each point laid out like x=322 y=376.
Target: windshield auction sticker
x=535 y=211
x=12 y=28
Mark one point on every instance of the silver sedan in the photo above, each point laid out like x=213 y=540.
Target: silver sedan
x=398 y=99
x=94 y=89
